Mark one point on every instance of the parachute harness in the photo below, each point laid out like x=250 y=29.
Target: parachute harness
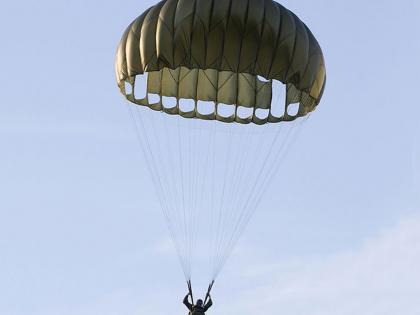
x=190 y=291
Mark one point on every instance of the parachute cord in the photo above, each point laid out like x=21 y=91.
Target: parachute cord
x=149 y=158
x=233 y=165
x=165 y=209
x=163 y=151
x=220 y=208
x=235 y=201
x=189 y=191
x=194 y=174
x=174 y=180
x=182 y=180
x=263 y=166
x=280 y=155
x=233 y=209
x=200 y=173
x=174 y=225
x=212 y=193
x=236 y=179
x=247 y=212
x=190 y=291
x=208 y=292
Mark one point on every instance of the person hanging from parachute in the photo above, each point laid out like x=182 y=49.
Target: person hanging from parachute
x=199 y=308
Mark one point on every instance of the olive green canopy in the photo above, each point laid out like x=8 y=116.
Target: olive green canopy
x=222 y=51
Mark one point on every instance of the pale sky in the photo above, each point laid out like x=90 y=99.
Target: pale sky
x=77 y=239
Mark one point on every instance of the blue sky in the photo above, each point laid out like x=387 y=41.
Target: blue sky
x=76 y=239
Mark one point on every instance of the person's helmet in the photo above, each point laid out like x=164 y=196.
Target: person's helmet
x=199 y=302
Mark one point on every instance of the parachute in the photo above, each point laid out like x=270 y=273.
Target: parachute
x=243 y=71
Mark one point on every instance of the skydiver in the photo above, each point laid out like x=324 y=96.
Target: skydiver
x=198 y=308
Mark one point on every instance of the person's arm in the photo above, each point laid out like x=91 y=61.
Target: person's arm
x=186 y=303
x=208 y=304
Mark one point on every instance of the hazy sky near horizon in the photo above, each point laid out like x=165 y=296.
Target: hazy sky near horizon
x=75 y=238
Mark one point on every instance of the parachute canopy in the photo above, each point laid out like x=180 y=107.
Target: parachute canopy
x=225 y=52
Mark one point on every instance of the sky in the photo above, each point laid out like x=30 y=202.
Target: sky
x=80 y=227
